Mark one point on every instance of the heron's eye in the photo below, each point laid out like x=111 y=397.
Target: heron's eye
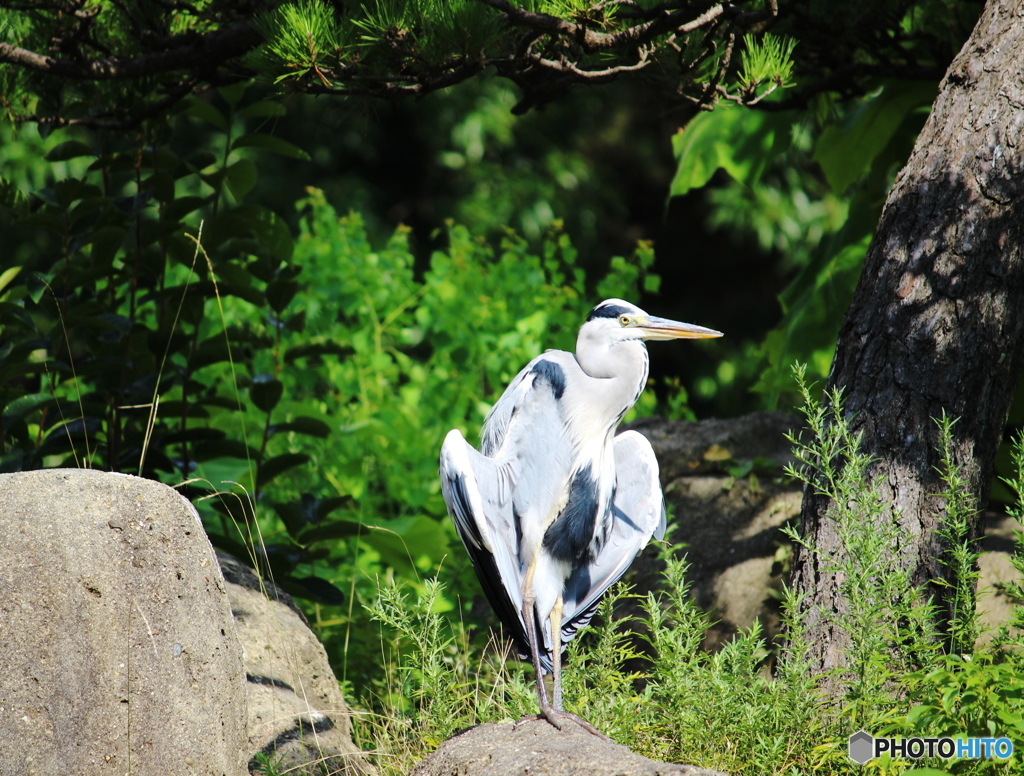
x=625 y=320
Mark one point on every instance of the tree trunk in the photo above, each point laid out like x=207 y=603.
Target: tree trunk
x=937 y=317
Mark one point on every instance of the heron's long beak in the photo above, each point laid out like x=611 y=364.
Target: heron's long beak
x=655 y=328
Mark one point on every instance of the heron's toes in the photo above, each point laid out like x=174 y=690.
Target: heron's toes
x=560 y=719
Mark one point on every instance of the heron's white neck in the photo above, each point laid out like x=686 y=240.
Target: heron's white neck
x=622 y=369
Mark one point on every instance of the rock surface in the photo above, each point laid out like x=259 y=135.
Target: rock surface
x=996 y=571
x=725 y=485
x=117 y=646
x=537 y=748
x=297 y=715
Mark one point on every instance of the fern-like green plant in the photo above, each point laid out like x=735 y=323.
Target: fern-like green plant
x=961 y=553
x=886 y=620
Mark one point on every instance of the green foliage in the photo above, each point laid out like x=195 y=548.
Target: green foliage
x=809 y=184
x=898 y=679
x=398 y=46
x=961 y=556
x=422 y=355
x=433 y=683
x=849 y=150
x=134 y=322
x=883 y=618
x=740 y=142
x=812 y=191
x=968 y=695
x=1015 y=589
x=97 y=66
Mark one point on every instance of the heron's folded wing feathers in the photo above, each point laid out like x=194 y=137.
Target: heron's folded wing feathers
x=481 y=508
x=523 y=475
x=639 y=514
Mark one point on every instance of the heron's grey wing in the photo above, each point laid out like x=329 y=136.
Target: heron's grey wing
x=498 y=419
x=521 y=395
x=478 y=493
x=638 y=514
x=497 y=496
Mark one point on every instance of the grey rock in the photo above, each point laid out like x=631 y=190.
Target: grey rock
x=687 y=448
x=117 y=646
x=996 y=573
x=728 y=525
x=536 y=748
x=297 y=715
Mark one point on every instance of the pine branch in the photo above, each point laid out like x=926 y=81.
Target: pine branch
x=195 y=52
x=401 y=50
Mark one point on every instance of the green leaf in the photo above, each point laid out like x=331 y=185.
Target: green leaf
x=303 y=425
x=105 y=243
x=72 y=149
x=219 y=449
x=238 y=275
x=269 y=143
x=161 y=183
x=280 y=293
x=297 y=322
x=206 y=112
x=178 y=208
x=12 y=197
x=25 y=405
x=212 y=350
x=233 y=93
x=266 y=392
x=739 y=141
x=71 y=189
x=196 y=434
x=335 y=529
x=402 y=543
x=270 y=228
x=847 y=153
x=262 y=109
x=7 y=276
x=272 y=467
x=241 y=177
x=309 y=510
x=314 y=589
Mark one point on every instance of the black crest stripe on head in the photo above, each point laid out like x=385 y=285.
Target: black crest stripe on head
x=608 y=311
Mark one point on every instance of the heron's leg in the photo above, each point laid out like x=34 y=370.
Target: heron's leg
x=553 y=713
x=555 y=622
x=531 y=633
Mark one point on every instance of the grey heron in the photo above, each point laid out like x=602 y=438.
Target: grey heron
x=555 y=506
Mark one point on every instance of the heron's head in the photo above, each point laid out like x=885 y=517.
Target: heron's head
x=615 y=320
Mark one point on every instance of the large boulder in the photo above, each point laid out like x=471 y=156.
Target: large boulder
x=118 y=651
x=297 y=715
x=725 y=482
x=535 y=747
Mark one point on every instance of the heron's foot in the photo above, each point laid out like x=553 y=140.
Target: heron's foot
x=560 y=719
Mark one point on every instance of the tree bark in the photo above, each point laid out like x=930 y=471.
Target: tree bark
x=937 y=319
